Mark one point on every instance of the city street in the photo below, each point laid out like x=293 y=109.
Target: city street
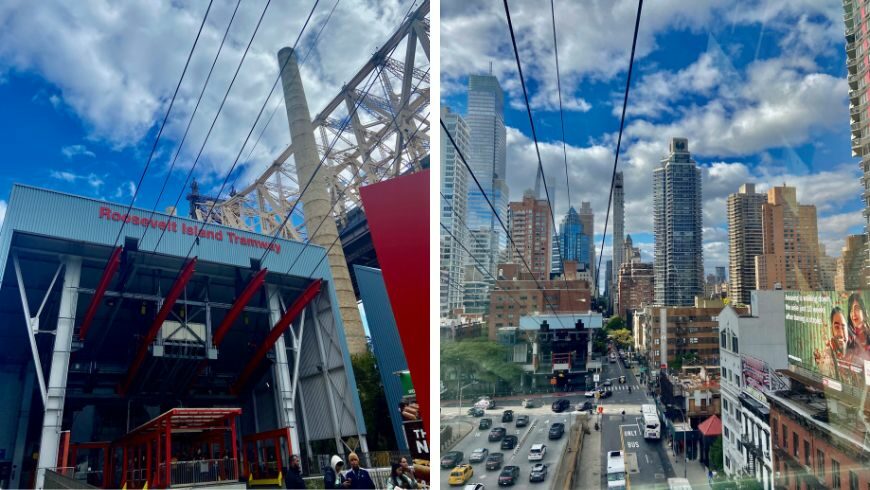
x=540 y=419
x=646 y=462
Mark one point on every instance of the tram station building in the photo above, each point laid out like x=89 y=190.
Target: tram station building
x=139 y=347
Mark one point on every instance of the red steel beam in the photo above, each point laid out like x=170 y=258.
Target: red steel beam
x=238 y=306
x=168 y=303
x=295 y=309
x=108 y=273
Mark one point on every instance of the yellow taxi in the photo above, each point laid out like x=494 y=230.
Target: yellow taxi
x=460 y=474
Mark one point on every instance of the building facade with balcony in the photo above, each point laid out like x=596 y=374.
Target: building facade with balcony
x=752 y=346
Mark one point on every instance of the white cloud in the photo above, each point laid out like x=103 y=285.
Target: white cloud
x=69 y=152
x=92 y=179
x=124 y=78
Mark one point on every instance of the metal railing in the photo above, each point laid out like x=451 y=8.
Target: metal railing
x=201 y=471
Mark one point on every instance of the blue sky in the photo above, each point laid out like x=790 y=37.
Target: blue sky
x=81 y=103
x=758 y=88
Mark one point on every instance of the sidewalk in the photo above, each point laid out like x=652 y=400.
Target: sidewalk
x=694 y=471
x=590 y=461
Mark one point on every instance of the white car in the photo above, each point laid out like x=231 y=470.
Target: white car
x=484 y=404
x=474 y=486
x=537 y=452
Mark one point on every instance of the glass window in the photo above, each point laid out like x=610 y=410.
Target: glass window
x=820 y=464
x=853 y=480
x=794 y=444
x=835 y=474
x=807 y=453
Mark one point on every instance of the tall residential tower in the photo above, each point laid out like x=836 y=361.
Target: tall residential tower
x=618 y=233
x=744 y=241
x=679 y=254
x=454 y=201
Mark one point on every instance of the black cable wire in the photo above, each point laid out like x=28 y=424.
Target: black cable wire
x=279 y=101
x=190 y=121
x=162 y=125
x=535 y=138
x=621 y=126
x=497 y=217
x=214 y=120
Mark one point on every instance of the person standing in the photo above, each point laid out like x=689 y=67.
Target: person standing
x=293 y=479
x=332 y=477
x=408 y=473
x=357 y=477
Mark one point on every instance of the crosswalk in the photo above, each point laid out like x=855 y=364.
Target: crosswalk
x=618 y=387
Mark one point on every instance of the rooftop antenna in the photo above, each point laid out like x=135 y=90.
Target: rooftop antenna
x=490 y=67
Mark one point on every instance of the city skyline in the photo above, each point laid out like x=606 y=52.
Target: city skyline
x=727 y=75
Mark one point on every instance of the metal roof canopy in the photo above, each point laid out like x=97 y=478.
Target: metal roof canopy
x=189 y=418
x=42 y=229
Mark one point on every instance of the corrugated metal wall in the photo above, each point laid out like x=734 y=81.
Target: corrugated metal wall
x=386 y=343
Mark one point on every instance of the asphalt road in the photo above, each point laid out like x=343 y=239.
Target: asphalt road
x=537 y=432
x=646 y=463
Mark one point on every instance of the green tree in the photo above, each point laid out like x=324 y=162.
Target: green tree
x=715 y=455
x=622 y=337
x=373 y=400
x=599 y=341
x=615 y=323
x=478 y=359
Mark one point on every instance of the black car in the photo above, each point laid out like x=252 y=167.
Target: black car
x=538 y=472
x=606 y=394
x=508 y=476
x=475 y=412
x=507 y=416
x=587 y=405
x=494 y=461
x=607 y=382
x=557 y=429
x=485 y=424
x=509 y=442
x=561 y=405
x=497 y=434
x=522 y=420
x=451 y=459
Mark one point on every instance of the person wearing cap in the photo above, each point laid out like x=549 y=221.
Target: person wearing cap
x=356 y=477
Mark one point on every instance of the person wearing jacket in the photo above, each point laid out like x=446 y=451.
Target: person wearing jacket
x=332 y=477
x=357 y=477
x=293 y=478
x=408 y=473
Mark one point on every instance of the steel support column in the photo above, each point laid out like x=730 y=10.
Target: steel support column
x=56 y=391
x=284 y=385
x=327 y=384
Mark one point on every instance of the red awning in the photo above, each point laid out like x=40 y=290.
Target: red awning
x=711 y=427
x=199 y=419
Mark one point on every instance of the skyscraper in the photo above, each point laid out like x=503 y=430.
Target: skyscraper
x=529 y=224
x=575 y=243
x=587 y=218
x=679 y=263
x=486 y=157
x=857 y=65
x=790 y=242
x=454 y=200
x=744 y=240
x=850 y=264
x=618 y=232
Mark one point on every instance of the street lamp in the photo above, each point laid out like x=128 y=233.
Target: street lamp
x=460 y=394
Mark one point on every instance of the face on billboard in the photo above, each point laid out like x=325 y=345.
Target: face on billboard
x=827 y=333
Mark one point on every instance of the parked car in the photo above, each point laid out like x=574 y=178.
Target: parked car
x=485 y=424
x=537 y=452
x=494 y=461
x=509 y=442
x=451 y=459
x=474 y=486
x=557 y=430
x=476 y=412
x=508 y=476
x=478 y=455
x=561 y=405
x=507 y=416
x=538 y=473
x=587 y=405
x=496 y=434
x=522 y=420
x=460 y=474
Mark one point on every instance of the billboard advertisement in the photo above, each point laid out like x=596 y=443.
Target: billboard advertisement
x=828 y=333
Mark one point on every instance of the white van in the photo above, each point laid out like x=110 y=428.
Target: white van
x=615 y=470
